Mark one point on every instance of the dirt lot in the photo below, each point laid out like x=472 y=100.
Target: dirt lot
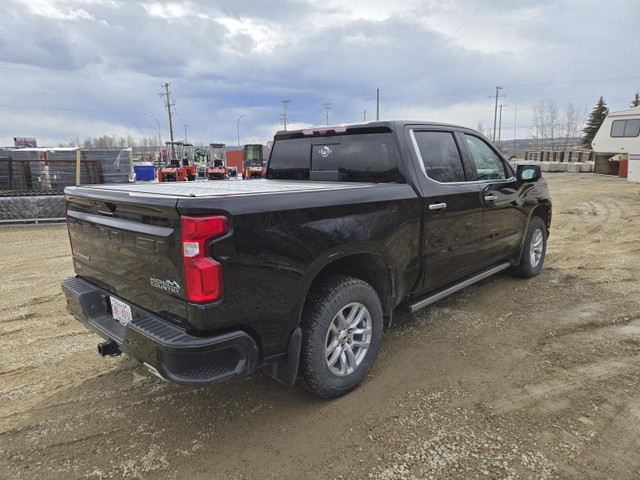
x=507 y=379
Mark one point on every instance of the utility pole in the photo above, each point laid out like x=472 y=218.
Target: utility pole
x=168 y=104
x=185 y=132
x=284 y=102
x=327 y=107
x=495 y=113
x=364 y=113
x=500 y=124
x=515 y=115
x=378 y=104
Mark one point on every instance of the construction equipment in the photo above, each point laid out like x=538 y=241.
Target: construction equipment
x=188 y=164
x=176 y=164
x=217 y=169
x=252 y=162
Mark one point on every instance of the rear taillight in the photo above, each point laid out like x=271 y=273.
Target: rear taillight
x=202 y=274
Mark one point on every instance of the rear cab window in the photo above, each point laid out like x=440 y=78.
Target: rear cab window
x=290 y=159
x=369 y=157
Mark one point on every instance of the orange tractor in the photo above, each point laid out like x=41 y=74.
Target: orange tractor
x=178 y=163
x=217 y=169
x=252 y=162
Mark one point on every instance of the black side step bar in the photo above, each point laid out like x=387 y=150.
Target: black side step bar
x=440 y=294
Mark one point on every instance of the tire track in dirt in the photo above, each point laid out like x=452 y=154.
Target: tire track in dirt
x=506 y=379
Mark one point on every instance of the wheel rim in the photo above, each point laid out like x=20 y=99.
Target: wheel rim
x=348 y=339
x=537 y=245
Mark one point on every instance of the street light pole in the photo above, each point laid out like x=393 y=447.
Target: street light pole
x=238 y=126
x=185 y=132
x=159 y=131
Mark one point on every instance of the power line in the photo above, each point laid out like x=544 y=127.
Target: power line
x=514 y=85
x=452 y=35
x=88 y=110
x=432 y=31
x=572 y=82
x=68 y=74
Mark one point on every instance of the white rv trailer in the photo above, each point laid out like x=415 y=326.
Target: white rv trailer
x=619 y=135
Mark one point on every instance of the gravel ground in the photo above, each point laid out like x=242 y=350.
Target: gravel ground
x=509 y=379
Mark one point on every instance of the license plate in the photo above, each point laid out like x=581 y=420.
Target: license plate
x=120 y=311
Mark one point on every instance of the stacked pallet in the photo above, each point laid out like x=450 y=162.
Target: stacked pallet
x=556 y=156
x=578 y=156
x=531 y=156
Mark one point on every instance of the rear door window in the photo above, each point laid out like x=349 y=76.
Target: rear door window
x=440 y=156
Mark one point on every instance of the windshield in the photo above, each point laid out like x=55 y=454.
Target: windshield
x=253 y=154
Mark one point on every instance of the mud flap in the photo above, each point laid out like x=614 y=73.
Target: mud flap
x=286 y=370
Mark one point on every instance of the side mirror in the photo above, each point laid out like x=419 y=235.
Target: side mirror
x=529 y=173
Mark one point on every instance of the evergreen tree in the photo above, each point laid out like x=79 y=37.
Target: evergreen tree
x=636 y=101
x=596 y=117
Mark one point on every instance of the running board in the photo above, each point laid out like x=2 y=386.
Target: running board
x=425 y=301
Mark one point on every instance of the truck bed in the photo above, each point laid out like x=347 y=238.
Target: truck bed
x=218 y=189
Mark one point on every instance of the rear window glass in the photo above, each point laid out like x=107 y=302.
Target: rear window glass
x=353 y=158
x=290 y=159
x=440 y=156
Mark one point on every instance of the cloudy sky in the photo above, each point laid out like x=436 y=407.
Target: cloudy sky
x=80 y=68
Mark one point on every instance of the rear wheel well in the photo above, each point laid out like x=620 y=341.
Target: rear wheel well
x=369 y=268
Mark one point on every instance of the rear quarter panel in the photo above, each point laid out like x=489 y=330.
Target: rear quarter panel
x=277 y=244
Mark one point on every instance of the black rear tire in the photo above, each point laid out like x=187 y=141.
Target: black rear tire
x=533 y=251
x=355 y=305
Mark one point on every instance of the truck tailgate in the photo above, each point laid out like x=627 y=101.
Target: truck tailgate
x=130 y=250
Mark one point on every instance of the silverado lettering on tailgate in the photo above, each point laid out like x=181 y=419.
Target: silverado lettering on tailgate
x=121 y=237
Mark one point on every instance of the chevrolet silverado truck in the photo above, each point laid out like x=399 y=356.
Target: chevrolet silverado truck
x=299 y=273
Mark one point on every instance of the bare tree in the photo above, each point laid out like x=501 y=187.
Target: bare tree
x=539 y=126
x=552 y=113
x=131 y=142
x=548 y=125
x=73 y=142
x=574 y=117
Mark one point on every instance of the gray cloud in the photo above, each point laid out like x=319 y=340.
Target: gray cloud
x=95 y=67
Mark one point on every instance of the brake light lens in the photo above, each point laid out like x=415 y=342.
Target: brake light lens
x=202 y=274
x=330 y=130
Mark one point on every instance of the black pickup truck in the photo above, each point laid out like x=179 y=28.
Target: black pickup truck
x=300 y=272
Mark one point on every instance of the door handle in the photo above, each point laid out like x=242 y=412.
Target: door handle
x=490 y=198
x=434 y=207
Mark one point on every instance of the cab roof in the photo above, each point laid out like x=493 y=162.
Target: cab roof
x=384 y=126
